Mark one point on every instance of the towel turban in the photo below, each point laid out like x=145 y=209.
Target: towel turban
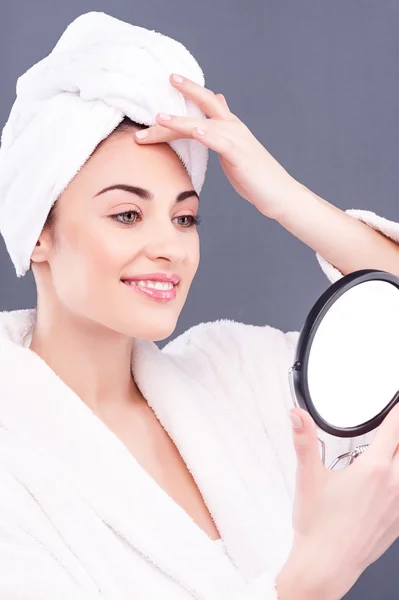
x=101 y=70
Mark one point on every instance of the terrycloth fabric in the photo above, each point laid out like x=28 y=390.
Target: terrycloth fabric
x=101 y=70
x=80 y=515
x=81 y=519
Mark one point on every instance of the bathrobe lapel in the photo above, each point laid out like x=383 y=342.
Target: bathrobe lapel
x=37 y=405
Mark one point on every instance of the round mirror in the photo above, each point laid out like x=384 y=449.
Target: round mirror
x=346 y=370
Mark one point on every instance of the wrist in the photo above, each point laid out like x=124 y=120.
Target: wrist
x=296 y=195
x=305 y=577
x=291 y=584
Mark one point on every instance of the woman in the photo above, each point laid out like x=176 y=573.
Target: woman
x=127 y=471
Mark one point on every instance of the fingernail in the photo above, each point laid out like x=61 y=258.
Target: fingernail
x=296 y=421
x=164 y=116
x=200 y=131
x=177 y=78
x=142 y=134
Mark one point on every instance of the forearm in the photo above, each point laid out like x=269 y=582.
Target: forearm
x=345 y=242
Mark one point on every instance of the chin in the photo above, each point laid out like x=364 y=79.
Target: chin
x=150 y=327
x=153 y=333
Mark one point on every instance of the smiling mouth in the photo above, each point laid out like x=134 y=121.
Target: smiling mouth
x=156 y=285
x=163 y=291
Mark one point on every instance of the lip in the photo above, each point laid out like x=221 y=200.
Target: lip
x=163 y=277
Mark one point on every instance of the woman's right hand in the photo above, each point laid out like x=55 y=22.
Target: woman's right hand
x=343 y=520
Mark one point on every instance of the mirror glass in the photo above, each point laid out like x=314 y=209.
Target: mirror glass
x=353 y=361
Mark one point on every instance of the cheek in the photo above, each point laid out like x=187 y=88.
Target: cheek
x=88 y=265
x=104 y=254
x=95 y=250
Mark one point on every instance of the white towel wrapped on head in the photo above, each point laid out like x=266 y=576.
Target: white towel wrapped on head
x=101 y=70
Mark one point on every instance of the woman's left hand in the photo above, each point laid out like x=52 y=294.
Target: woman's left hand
x=250 y=168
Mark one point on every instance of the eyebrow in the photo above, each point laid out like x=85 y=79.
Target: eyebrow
x=143 y=193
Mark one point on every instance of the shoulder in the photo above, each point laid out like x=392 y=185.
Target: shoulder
x=226 y=333
x=237 y=358
x=234 y=342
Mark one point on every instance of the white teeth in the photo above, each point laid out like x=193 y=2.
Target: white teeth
x=157 y=285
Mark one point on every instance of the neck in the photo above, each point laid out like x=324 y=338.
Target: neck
x=95 y=362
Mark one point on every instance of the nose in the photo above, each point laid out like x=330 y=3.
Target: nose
x=166 y=243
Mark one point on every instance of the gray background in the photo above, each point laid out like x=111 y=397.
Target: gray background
x=318 y=84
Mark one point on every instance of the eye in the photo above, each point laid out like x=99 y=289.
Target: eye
x=131 y=217
x=189 y=220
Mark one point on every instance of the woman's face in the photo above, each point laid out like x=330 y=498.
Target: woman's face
x=100 y=240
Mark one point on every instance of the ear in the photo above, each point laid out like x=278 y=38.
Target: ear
x=44 y=245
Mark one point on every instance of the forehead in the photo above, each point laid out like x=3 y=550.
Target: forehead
x=120 y=154
x=121 y=160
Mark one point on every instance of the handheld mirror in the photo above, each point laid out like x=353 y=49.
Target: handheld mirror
x=346 y=369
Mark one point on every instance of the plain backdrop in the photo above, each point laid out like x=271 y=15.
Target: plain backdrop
x=318 y=83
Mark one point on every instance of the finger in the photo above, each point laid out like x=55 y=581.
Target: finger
x=307 y=448
x=171 y=129
x=200 y=129
x=203 y=130
x=157 y=134
x=204 y=98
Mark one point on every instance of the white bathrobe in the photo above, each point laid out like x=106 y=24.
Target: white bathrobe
x=81 y=519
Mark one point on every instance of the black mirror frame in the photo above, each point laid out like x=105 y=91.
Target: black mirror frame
x=298 y=372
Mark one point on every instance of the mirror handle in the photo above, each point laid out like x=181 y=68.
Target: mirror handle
x=352 y=455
